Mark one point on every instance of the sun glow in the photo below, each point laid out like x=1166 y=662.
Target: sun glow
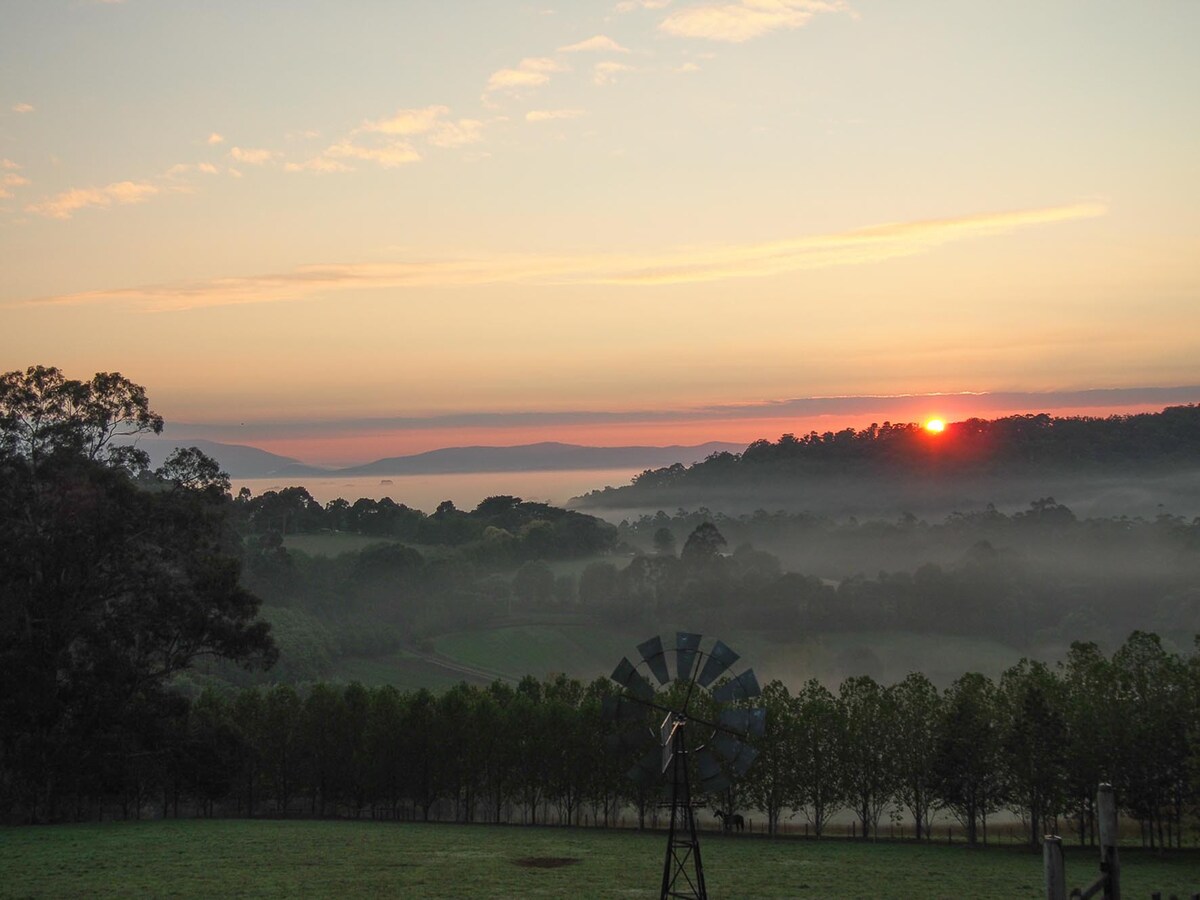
x=935 y=426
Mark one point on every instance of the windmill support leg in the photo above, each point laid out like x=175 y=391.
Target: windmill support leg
x=683 y=870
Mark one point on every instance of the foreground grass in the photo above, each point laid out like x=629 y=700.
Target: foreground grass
x=326 y=859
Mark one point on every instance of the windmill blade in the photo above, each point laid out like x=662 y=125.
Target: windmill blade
x=744 y=760
x=726 y=746
x=744 y=687
x=744 y=721
x=632 y=738
x=712 y=778
x=708 y=765
x=632 y=680
x=735 y=720
x=686 y=647
x=627 y=737
x=614 y=708
x=656 y=658
x=646 y=771
x=719 y=659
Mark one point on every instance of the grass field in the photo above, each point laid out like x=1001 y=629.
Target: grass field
x=587 y=651
x=402 y=670
x=331 y=543
x=198 y=858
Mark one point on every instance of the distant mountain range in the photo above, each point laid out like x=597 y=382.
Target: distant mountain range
x=238 y=460
x=249 y=462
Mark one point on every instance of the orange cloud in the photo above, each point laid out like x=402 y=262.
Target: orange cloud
x=742 y=21
x=547 y=115
x=252 y=156
x=63 y=205
x=860 y=246
x=530 y=72
x=599 y=43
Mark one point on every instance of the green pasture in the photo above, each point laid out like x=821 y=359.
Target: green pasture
x=237 y=858
x=402 y=670
x=587 y=651
x=332 y=543
x=335 y=543
x=580 y=651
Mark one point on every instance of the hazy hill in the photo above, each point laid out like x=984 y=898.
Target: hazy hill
x=241 y=461
x=544 y=456
x=238 y=460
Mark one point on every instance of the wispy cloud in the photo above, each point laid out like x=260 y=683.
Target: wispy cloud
x=22 y=108
x=600 y=43
x=746 y=19
x=317 y=164
x=547 y=115
x=530 y=72
x=672 y=266
x=607 y=72
x=389 y=153
x=686 y=69
x=432 y=122
x=11 y=180
x=630 y=5
x=181 y=169
x=66 y=203
x=214 y=139
x=389 y=141
x=252 y=156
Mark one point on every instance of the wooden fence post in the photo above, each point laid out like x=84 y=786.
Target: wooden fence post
x=1110 y=866
x=1055 y=869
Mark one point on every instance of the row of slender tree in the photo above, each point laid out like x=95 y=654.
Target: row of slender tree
x=1035 y=742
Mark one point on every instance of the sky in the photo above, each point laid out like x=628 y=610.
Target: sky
x=348 y=230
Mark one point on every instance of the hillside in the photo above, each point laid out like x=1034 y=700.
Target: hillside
x=1129 y=464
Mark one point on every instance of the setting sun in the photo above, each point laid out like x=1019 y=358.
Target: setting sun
x=936 y=426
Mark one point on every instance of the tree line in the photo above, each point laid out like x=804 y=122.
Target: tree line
x=501 y=529
x=1035 y=743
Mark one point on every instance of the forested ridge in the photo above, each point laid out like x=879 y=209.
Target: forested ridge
x=1012 y=447
x=1165 y=438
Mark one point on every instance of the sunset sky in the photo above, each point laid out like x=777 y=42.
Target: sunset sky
x=349 y=230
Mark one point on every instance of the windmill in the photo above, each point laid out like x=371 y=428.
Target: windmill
x=697 y=719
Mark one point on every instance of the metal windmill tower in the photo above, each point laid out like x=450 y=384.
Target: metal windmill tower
x=702 y=728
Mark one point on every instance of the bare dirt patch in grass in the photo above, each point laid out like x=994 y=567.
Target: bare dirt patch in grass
x=546 y=862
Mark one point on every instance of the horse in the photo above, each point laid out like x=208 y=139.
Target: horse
x=730 y=821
